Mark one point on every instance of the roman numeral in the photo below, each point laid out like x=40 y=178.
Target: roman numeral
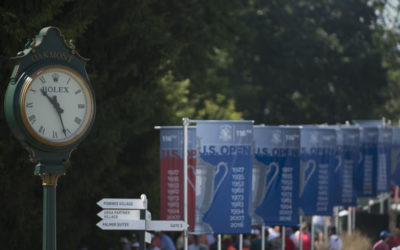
x=81 y=106
x=78 y=91
x=55 y=134
x=32 y=119
x=32 y=90
x=29 y=105
x=77 y=120
x=41 y=130
x=68 y=80
x=42 y=79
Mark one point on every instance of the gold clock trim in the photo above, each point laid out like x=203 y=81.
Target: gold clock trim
x=22 y=107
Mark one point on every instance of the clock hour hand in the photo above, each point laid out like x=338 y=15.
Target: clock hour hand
x=56 y=105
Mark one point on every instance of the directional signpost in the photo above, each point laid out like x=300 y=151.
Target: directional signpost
x=132 y=214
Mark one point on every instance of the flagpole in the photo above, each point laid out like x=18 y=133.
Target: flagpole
x=263 y=237
x=185 y=177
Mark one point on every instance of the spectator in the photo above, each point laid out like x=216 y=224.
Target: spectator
x=135 y=246
x=335 y=243
x=166 y=242
x=256 y=244
x=197 y=244
x=383 y=243
x=305 y=237
x=124 y=244
x=319 y=243
x=289 y=244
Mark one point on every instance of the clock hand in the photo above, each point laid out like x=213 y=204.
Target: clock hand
x=56 y=105
x=59 y=112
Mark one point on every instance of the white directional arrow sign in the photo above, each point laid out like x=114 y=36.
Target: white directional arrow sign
x=119 y=214
x=122 y=224
x=123 y=203
x=166 y=225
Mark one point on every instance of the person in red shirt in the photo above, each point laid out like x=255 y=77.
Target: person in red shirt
x=383 y=244
x=289 y=244
x=305 y=237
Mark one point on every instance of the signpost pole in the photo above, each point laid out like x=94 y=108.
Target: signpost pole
x=142 y=243
x=185 y=177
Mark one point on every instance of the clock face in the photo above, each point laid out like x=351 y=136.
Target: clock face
x=56 y=105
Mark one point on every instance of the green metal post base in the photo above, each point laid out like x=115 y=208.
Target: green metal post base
x=49 y=175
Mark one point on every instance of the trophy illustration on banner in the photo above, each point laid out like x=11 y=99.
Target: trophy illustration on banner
x=205 y=191
x=339 y=163
x=308 y=167
x=261 y=185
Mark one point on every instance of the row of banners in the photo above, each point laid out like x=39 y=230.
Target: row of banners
x=241 y=175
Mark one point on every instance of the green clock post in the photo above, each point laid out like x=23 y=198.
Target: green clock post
x=50 y=107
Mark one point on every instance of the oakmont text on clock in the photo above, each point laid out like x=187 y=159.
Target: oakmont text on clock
x=52 y=55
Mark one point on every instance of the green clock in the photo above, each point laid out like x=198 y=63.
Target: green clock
x=56 y=105
x=49 y=103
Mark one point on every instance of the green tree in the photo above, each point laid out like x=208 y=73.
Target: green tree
x=309 y=62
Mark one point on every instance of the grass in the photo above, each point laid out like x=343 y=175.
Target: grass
x=356 y=241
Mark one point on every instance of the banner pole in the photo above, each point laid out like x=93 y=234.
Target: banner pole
x=353 y=223
x=219 y=242
x=240 y=241
x=263 y=237
x=185 y=177
x=349 y=220
x=336 y=211
x=301 y=233
x=283 y=237
x=312 y=234
x=396 y=199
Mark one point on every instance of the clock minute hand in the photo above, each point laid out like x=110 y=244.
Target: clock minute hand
x=56 y=105
x=59 y=112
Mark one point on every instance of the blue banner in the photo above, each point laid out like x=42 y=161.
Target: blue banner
x=276 y=171
x=223 y=177
x=395 y=161
x=366 y=173
x=384 y=159
x=317 y=165
x=348 y=157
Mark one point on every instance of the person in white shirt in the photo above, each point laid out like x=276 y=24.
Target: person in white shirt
x=335 y=243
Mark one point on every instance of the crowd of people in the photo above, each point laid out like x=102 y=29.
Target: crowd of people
x=273 y=240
